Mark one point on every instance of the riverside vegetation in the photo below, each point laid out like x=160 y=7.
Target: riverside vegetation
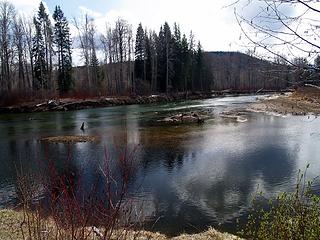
x=288 y=216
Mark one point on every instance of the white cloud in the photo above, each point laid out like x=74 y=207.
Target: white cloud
x=211 y=22
x=207 y=19
x=27 y=7
x=90 y=12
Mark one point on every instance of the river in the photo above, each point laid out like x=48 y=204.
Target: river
x=188 y=176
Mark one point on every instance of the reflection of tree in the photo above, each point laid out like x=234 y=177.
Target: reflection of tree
x=166 y=145
x=169 y=158
x=174 y=159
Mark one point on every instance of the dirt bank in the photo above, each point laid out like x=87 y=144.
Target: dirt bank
x=11 y=223
x=69 y=104
x=303 y=101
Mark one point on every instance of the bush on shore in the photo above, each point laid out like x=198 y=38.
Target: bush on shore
x=289 y=216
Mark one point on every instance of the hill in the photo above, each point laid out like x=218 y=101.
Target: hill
x=240 y=72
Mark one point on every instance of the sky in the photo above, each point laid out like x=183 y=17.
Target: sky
x=212 y=24
x=211 y=21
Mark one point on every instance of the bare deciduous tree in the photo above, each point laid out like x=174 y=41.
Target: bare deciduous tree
x=286 y=29
x=281 y=26
x=7 y=14
x=83 y=37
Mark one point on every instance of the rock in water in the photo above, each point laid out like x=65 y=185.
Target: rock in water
x=82 y=126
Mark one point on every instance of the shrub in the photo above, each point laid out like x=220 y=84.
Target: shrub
x=293 y=215
x=55 y=207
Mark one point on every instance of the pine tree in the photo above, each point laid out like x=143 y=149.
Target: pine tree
x=177 y=80
x=165 y=58
x=161 y=63
x=192 y=61
x=63 y=49
x=199 y=67
x=185 y=62
x=94 y=64
x=38 y=52
x=42 y=49
x=168 y=55
x=148 y=59
x=95 y=70
x=139 y=53
x=153 y=39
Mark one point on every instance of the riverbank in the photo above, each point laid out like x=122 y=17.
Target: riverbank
x=11 y=223
x=303 y=101
x=70 y=104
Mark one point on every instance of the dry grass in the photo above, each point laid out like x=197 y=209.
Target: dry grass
x=11 y=223
x=70 y=139
x=210 y=234
x=303 y=101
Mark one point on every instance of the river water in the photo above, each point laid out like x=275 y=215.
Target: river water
x=187 y=176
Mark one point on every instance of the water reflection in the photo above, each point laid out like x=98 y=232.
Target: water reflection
x=186 y=176
x=212 y=172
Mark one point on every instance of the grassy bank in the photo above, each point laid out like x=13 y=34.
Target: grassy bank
x=14 y=223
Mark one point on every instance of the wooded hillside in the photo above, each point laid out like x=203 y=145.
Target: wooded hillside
x=240 y=72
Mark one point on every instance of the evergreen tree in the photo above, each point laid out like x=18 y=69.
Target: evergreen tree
x=199 y=67
x=185 y=62
x=192 y=61
x=165 y=58
x=95 y=70
x=177 y=80
x=148 y=59
x=42 y=49
x=63 y=49
x=139 y=53
x=153 y=40
x=94 y=64
x=168 y=56
x=38 y=52
x=161 y=63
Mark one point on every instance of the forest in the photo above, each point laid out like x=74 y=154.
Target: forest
x=36 y=57
x=36 y=60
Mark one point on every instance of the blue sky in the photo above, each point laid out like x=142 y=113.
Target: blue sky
x=71 y=7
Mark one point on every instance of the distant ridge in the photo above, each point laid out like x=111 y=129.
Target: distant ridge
x=241 y=72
